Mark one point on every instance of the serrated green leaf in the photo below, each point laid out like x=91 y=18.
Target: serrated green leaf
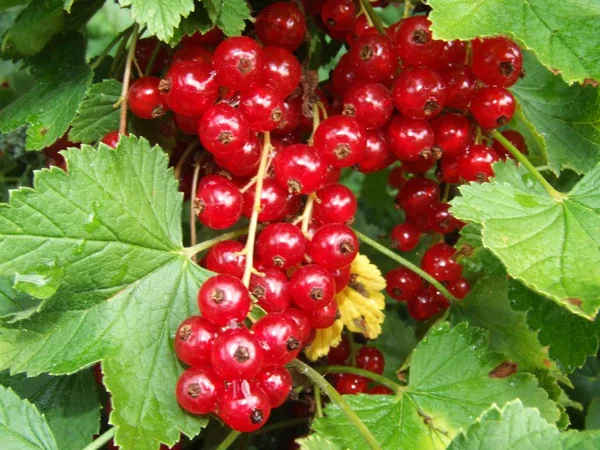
x=22 y=427
x=113 y=224
x=547 y=243
x=568 y=117
x=70 y=405
x=229 y=15
x=536 y=146
x=592 y=418
x=450 y=386
x=562 y=34
x=316 y=442
x=160 y=16
x=476 y=260
x=197 y=21
x=580 y=440
x=586 y=382
x=63 y=78
x=98 y=113
x=396 y=341
x=15 y=305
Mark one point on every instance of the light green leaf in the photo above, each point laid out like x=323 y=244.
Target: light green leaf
x=562 y=34
x=70 y=405
x=41 y=283
x=229 y=15
x=477 y=261
x=567 y=117
x=22 y=427
x=536 y=145
x=113 y=224
x=98 y=114
x=15 y=305
x=546 y=243
x=197 y=21
x=580 y=440
x=453 y=379
x=316 y=442
x=63 y=78
x=160 y=16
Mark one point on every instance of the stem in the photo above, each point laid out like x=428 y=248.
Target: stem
x=363 y=373
x=406 y=263
x=152 y=59
x=188 y=151
x=543 y=168
x=338 y=400
x=204 y=245
x=109 y=47
x=230 y=439
x=281 y=425
x=102 y=439
x=407 y=9
x=307 y=214
x=366 y=4
x=318 y=403
x=446 y=193
x=192 y=209
x=249 y=250
x=530 y=167
x=126 y=77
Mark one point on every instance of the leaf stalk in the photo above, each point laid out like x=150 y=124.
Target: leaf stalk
x=366 y=4
x=126 y=79
x=395 y=387
x=101 y=440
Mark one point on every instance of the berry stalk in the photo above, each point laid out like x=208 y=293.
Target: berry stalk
x=205 y=245
x=229 y=440
x=363 y=373
x=192 y=211
x=366 y=4
x=126 y=78
x=101 y=440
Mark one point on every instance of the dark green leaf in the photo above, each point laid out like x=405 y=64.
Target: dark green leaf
x=197 y=21
x=229 y=15
x=396 y=342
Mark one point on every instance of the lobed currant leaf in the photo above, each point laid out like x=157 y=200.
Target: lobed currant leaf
x=545 y=242
x=316 y=442
x=160 y=16
x=563 y=35
x=113 y=224
x=197 y=21
x=228 y=15
x=15 y=305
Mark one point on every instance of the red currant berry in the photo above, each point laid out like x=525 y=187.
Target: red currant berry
x=190 y=87
x=226 y=257
x=341 y=141
x=222 y=130
x=211 y=37
x=292 y=113
x=282 y=70
x=344 y=74
x=396 y=177
x=239 y=62
x=281 y=245
x=199 y=389
x=369 y=103
x=405 y=237
x=403 y=284
x=476 y=163
x=454 y=52
x=497 y=61
x=460 y=86
x=292 y=206
x=414 y=44
x=448 y=170
x=338 y=16
x=324 y=317
x=374 y=58
x=516 y=139
x=244 y=406
x=350 y=384
x=335 y=203
x=145 y=100
x=187 y=124
x=218 y=202
x=312 y=287
x=276 y=381
x=492 y=106
x=195 y=53
x=377 y=153
x=279 y=337
x=111 y=139
x=440 y=220
x=459 y=287
x=300 y=168
x=145 y=48
x=418 y=166
x=379 y=390
x=371 y=359
x=333 y=246
x=273 y=201
x=438 y=297
x=417 y=195
x=194 y=339
x=453 y=134
x=281 y=24
x=338 y=356
x=222 y=299
x=300 y=317
x=243 y=162
x=262 y=107
x=237 y=354
x=271 y=290
x=419 y=93
x=411 y=139
x=341 y=277
x=359 y=29
x=438 y=261
x=423 y=306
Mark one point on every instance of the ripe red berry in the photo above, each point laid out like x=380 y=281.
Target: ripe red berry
x=111 y=139
x=324 y=317
x=350 y=384
x=226 y=257
x=341 y=141
x=333 y=246
x=312 y=287
x=374 y=58
x=453 y=134
x=379 y=390
x=344 y=74
x=369 y=103
x=335 y=203
x=396 y=177
x=222 y=299
x=190 y=87
x=199 y=389
x=262 y=107
x=338 y=16
x=281 y=245
x=342 y=277
x=144 y=48
x=440 y=220
x=419 y=166
x=300 y=317
x=243 y=162
x=271 y=290
x=282 y=70
x=419 y=93
x=461 y=85
x=237 y=354
x=338 y=356
x=194 y=339
x=417 y=195
x=276 y=381
x=300 y=168
x=211 y=37
x=273 y=201
x=411 y=139
x=371 y=359
x=448 y=170
x=459 y=287
x=222 y=130
x=244 y=406
x=497 y=61
x=218 y=202
x=403 y=284
x=423 y=306
x=405 y=237
x=187 y=124
x=516 y=139
x=279 y=337
x=438 y=261
x=239 y=62
x=414 y=44
x=476 y=163
x=192 y=53
x=377 y=153
x=145 y=100
x=492 y=106
x=281 y=24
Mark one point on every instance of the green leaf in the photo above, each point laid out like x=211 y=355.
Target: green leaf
x=477 y=261
x=22 y=427
x=229 y=15
x=592 y=418
x=562 y=34
x=316 y=442
x=113 y=224
x=396 y=342
x=15 y=305
x=452 y=381
x=544 y=242
x=570 y=337
x=98 y=113
x=63 y=78
x=568 y=117
x=536 y=146
x=580 y=440
x=197 y=21
x=160 y=16
x=69 y=404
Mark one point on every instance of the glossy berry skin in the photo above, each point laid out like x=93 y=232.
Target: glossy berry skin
x=492 y=106
x=279 y=337
x=210 y=38
x=476 y=163
x=350 y=384
x=338 y=16
x=324 y=317
x=403 y=284
x=374 y=58
x=243 y=162
x=239 y=62
x=377 y=153
x=438 y=261
x=497 y=61
x=369 y=103
x=281 y=245
x=420 y=166
x=344 y=74
x=341 y=141
x=371 y=359
x=417 y=195
x=292 y=114
x=341 y=277
x=144 y=48
x=453 y=134
x=199 y=389
x=423 y=306
x=411 y=139
x=222 y=299
x=396 y=178
x=300 y=317
x=454 y=52
x=190 y=87
x=271 y=290
x=440 y=220
x=338 y=356
x=448 y=170
x=415 y=45
x=312 y=287
x=333 y=246
x=237 y=354
x=218 y=202
x=273 y=201
x=222 y=130
x=145 y=100
x=276 y=381
x=262 y=107
x=419 y=93
x=461 y=85
x=281 y=24
x=379 y=390
x=187 y=124
x=194 y=339
x=282 y=70
x=459 y=287
x=192 y=53
x=405 y=237
x=225 y=258
x=244 y=406
x=335 y=203
x=111 y=139
x=300 y=168
x=515 y=138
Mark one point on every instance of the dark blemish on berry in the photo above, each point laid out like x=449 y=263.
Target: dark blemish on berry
x=225 y=137
x=366 y=53
x=292 y=344
x=504 y=370
x=244 y=66
x=349 y=110
x=420 y=37
x=158 y=111
x=258 y=291
x=502 y=120
x=279 y=261
x=294 y=186
x=346 y=247
x=276 y=115
x=430 y=107
x=194 y=390
x=507 y=68
x=185 y=332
